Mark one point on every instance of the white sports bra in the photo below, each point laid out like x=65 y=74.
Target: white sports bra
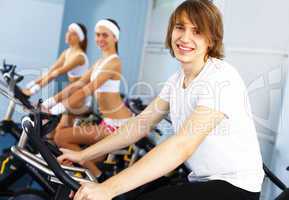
x=109 y=85
x=80 y=69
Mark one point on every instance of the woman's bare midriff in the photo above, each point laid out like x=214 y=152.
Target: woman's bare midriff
x=112 y=106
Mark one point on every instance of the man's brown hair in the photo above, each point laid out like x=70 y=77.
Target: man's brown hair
x=207 y=17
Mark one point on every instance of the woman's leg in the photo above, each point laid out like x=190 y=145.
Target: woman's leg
x=67 y=120
x=72 y=137
x=210 y=190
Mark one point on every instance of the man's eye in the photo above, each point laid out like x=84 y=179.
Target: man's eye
x=179 y=27
x=196 y=31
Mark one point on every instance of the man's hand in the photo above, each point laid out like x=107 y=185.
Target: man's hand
x=70 y=156
x=92 y=191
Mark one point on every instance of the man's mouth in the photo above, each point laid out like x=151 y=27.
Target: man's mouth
x=184 y=48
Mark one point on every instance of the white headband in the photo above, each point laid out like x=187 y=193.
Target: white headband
x=76 y=28
x=108 y=24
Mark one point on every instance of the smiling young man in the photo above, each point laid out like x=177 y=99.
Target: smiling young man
x=208 y=104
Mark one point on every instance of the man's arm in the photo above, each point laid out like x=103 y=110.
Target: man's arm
x=171 y=153
x=136 y=128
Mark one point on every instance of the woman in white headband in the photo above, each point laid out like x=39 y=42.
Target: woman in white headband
x=103 y=82
x=72 y=61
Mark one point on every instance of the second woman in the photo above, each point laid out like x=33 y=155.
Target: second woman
x=103 y=82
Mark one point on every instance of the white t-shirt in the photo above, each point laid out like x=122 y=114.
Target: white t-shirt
x=231 y=152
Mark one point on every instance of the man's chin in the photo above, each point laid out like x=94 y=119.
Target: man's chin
x=184 y=58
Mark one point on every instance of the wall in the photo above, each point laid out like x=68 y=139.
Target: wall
x=261 y=55
x=131 y=16
x=33 y=34
x=29 y=37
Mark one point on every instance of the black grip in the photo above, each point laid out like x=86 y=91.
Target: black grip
x=53 y=121
x=135 y=105
x=6 y=67
x=18 y=78
x=12 y=79
x=34 y=137
x=24 y=99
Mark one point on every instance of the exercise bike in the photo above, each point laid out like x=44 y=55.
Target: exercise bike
x=7 y=125
x=65 y=178
x=13 y=170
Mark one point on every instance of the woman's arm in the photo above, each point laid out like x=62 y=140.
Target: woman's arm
x=77 y=98
x=74 y=102
x=135 y=129
x=71 y=88
x=64 y=68
x=162 y=159
x=34 y=86
x=58 y=63
x=68 y=90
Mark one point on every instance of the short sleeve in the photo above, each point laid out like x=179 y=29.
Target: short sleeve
x=169 y=85
x=165 y=92
x=219 y=93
